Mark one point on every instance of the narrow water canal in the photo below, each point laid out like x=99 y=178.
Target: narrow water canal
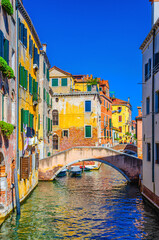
x=99 y=205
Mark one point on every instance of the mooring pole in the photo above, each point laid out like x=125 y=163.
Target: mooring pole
x=16 y=192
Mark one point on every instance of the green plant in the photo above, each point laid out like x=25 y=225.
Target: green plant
x=6 y=128
x=135 y=136
x=9 y=73
x=107 y=109
x=93 y=81
x=3 y=64
x=117 y=139
x=128 y=134
x=7 y=6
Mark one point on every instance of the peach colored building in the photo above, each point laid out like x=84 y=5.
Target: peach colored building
x=106 y=114
x=139 y=133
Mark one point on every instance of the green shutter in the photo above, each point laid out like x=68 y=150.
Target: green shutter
x=89 y=87
x=55 y=82
x=38 y=121
x=51 y=125
x=2 y=107
x=44 y=68
x=88 y=131
x=6 y=50
x=48 y=74
x=110 y=123
x=22 y=119
x=64 y=82
x=1 y=44
x=48 y=124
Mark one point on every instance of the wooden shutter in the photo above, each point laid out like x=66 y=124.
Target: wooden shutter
x=89 y=87
x=64 y=82
x=6 y=51
x=87 y=106
x=30 y=163
x=25 y=37
x=19 y=26
x=37 y=161
x=1 y=44
x=24 y=167
x=44 y=68
x=88 y=131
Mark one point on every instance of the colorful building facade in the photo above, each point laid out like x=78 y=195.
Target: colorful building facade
x=121 y=119
x=76 y=113
x=106 y=114
x=139 y=133
x=7 y=106
x=45 y=107
x=150 y=110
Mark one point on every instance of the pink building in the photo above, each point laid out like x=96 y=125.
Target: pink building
x=139 y=133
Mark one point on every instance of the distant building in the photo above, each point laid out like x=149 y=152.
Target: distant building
x=121 y=119
x=106 y=114
x=150 y=109
x=139 y=133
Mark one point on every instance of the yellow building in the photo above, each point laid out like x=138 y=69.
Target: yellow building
x=76 y=114
x=28 y=94
x=121 y=119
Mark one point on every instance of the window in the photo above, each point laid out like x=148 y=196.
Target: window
x=148 y=152
x=30 y=84
x=156 y=62
x=100 y=89
x=65 y=133
x=22 y=33
x=64 y=82
x=110 y=123
x=55 y=117
x=36 y=56
x=120 y=118
x=23 y=77
x=44 y=68
x=147 y=105
x=157 y=153
x=4 y=47
x=55 y=82
x=87 y=106
x=120 y=129
x=30 y=46
x=55 y=142
x=157 y=102
x=88 y=132
x=89 y=88
x=148 y=70
x=105 y=132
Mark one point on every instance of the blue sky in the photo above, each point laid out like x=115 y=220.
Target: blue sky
x=96 y=37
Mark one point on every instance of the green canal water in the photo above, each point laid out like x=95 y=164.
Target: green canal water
x=99 y=205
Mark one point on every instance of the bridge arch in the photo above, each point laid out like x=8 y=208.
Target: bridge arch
x=97 y=160
x=129 y=166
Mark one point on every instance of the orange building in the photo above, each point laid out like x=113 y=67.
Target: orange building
x=106 y=114
x=139 y=133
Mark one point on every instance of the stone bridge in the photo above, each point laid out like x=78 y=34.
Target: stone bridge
x=129 y=166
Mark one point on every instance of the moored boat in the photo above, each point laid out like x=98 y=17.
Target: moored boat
x=62 y=173
x=75 y=171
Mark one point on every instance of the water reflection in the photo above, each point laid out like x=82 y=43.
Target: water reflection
x=100 y=205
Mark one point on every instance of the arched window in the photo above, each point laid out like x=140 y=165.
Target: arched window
x=55 y=117
x=55 y=142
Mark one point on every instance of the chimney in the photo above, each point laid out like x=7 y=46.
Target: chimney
x=155 y=10
x=139 y=111
x=128 y=100
x=44 y=47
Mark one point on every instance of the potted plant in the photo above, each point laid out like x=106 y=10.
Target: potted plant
x=7 y=7
x=6 y=129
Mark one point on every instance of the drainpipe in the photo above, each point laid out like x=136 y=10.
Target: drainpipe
x=153 y=117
